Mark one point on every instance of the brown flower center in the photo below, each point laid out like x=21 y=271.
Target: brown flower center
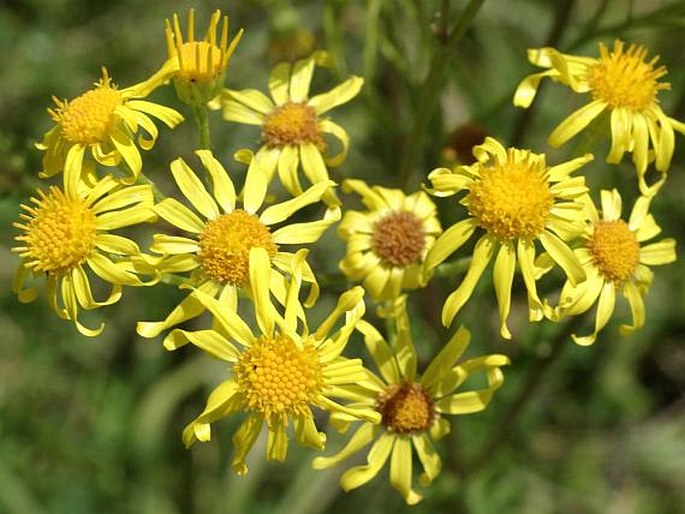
x=398 y=238
x=406 y=408
x=292 y=124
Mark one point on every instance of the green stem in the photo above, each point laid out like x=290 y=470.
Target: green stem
x=449 y=269
x=158 y=195
x=431 y=86
x=202 y=122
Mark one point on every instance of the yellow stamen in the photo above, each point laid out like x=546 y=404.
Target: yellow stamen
x=511 y=199
x=225 y=245
x=399 y=239
x=292 y=124
x=615 y=250
x=59 y=232
x=278 y=378
x=89 y=118
x=624 y=79
x=406 y=408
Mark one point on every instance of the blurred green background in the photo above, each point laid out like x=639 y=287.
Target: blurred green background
x=93 y=425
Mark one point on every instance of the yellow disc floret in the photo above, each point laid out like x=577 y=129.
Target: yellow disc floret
x=59 y=232
x=279 y=378
x=624 y=79
x=89 y=118
x=615 y=250
x=293 y=123
x=199 y=61
x=406 y=408
x=398 y=238
x=225 y=245
x=511 y=199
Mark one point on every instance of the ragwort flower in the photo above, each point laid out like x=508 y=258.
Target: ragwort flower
x=103 y=122
x=516 y=199
x=200 y=66
x=279 y=375
x=387 y=244
x=619 y=81
x=411 y=407
x=615 y=262
x=292 y=125
x=64 y=233
x=218 y=250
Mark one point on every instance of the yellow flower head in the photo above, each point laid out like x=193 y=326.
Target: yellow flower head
x=615 y=261
x=293 y=128
x=63 y=233
x=200 y=65
x=623 y=82
x=411 y=407
x=387 y=244
x=281 y=374
x=217 y=252
x=516 y=199
x=103 y=121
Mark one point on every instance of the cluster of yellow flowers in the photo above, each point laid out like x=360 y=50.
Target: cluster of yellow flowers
x=228 y=245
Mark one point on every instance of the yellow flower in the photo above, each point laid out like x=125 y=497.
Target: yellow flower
x=619 y=81
x=280 y=374
x=411 y=407
x=615 y=262
x=217 y=253
x=387 y=244
x=292 y=127
x=105 y=122
x=516 y=199
x=200 y=66
x=63 y=233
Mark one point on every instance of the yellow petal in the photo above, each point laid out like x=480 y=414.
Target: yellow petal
x=222 y=187
x=260 y=271
x=563 y=256
x=526 y=260
x=193 y=189
x=279 y=80
x=339 y=95
x=307 y=434
x=605 y=308
x=328 y=127
x=482 y=253
x=179 y=215
x=503 y=277
x=252 y=98
x=380 y=352
x=208 y=340
x=276 y=442
x=301 y=78
x=430 y=460
x=363 y=436
x=445 y=360
x=255 y=187
x=232 y=110
x=611 y=205
x=123 y=198
x=401 y=470
x=449 y=242
x=659 y=253
x=377 y=457
x=282 y=211
x=576 y=122
x=243 y=441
